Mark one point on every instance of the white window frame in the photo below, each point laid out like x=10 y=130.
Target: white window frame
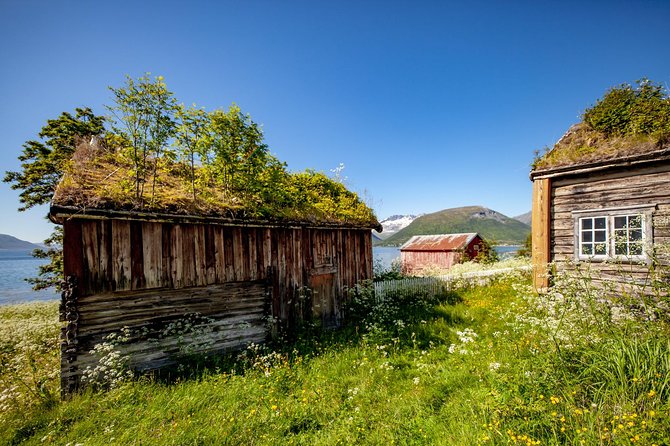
x=609 y=214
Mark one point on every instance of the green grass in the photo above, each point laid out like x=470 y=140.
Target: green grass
x=425 y=380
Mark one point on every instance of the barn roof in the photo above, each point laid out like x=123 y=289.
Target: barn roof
x=439 y=242
x=582 y=147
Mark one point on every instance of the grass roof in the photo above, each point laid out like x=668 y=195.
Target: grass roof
x=99 y=178
x=628 y=121
x=581 y=144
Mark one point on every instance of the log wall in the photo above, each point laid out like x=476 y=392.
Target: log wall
x=612 y=189
x=145 y=275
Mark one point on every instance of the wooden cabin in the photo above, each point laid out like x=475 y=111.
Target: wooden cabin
x=609 y=208
x=439 y=251
x=142 y=272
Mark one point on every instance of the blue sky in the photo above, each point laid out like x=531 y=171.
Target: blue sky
x=429 y=105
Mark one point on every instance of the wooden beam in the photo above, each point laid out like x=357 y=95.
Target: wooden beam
x=541 y=233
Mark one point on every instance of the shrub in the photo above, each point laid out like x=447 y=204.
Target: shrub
x=627 y=110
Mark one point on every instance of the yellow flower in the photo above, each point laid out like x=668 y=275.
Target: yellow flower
x=652 y=413
x=274 y=407
x=651 y=393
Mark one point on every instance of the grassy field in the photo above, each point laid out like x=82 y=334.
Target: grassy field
x=487 y=365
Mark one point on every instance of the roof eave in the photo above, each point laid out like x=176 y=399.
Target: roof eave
x=577 y=169
x=59 y=214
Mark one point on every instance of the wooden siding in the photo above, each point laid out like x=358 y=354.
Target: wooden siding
x=643 y=187
x=415 y=261
x=144 y=274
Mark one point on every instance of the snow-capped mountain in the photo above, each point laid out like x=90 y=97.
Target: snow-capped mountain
x=393 y=224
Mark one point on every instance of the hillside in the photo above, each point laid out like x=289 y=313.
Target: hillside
x=524 y=218
x=489 y=224
x=11 y=242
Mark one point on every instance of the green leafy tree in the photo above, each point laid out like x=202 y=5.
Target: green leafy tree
x=643 y=109
x=237 y=152
x=527 y=248
x=145 y=117
x=190 y=134
x=487 y=253
x=42 y=164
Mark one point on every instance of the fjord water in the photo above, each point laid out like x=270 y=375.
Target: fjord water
x=15 y=266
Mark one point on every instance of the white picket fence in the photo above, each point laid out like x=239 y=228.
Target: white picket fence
x=439 y=284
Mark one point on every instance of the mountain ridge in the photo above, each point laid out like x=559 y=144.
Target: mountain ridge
x=393 y=224
x=10 y=242
x=490 y=224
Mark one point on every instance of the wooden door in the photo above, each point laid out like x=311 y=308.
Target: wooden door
x=325 y=305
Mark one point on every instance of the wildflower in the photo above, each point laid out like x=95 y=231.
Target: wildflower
x=651 y=393
x=494 y=366
x=416 y=381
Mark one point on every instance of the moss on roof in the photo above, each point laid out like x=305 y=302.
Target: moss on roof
x=583 y=145
x=99 y=178
x=627 y=121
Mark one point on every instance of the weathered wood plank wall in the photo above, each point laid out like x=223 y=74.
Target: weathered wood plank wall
x=145 y=274
x=416 y=261
x=647 y=186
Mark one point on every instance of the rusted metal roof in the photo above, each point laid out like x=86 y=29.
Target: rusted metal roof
x=438 y=242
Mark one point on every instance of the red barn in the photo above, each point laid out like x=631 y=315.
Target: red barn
x=439 y=251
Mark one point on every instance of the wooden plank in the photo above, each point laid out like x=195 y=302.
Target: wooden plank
x=152 y=261
x=105 y=256
x=239 y=256
x=188 y=254
x=229 y=254
x=253 y=254
x=91 y=256
x=219 y=254
x=210 y=254
x=541 y=233
x=177 y=257
x=200 y=261
x=276 y=300
x=73 y=258
x=138 y=280
x=167 y=251
x=121 y=255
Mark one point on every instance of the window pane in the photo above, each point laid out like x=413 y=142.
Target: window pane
x=619 y=222
x=600 y=248
x=635 y=221
x=587 y=223
x=587 y=236
x=587 y=249
x=635 y=235
x=621 y=249
x=600 y=236
x=635 y=249
x=599 y=222
x=620 y=235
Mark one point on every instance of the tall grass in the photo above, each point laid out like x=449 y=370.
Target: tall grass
x=480 y=365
